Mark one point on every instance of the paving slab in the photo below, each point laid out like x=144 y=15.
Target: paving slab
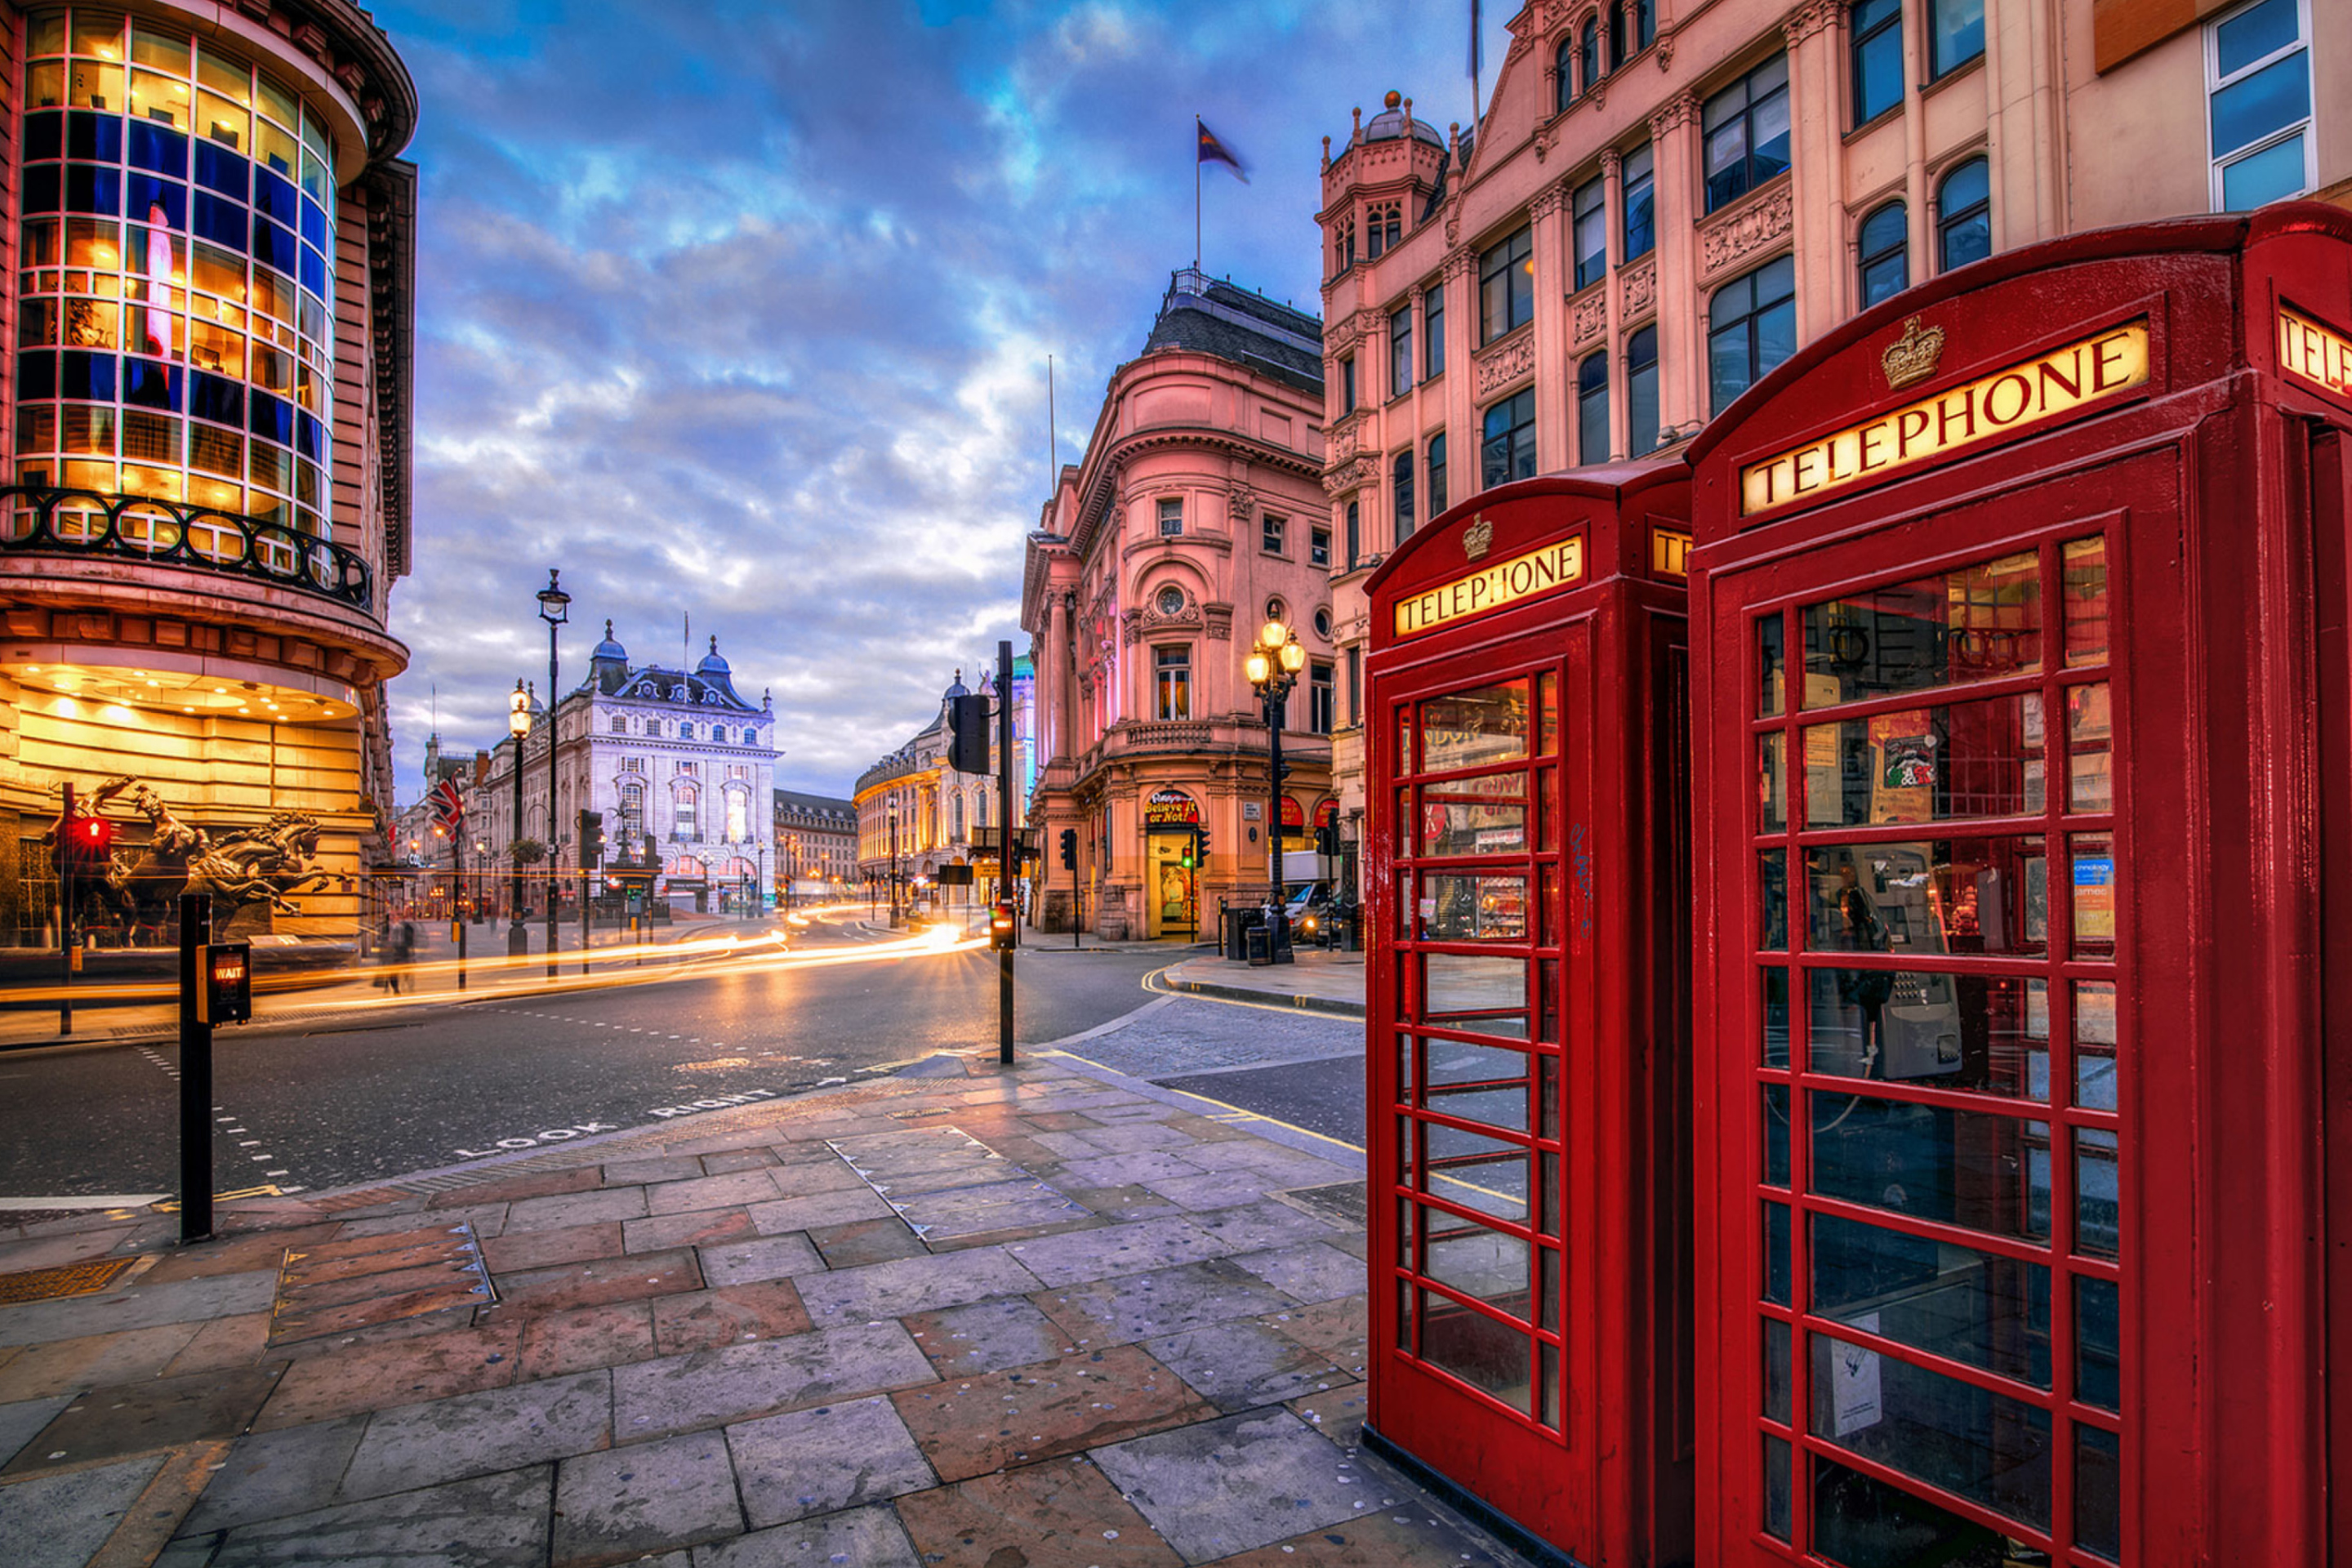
x=1310 y=1272
x=1333 y=1329
x=1112 y=1249
x=1242 y=1365
x=916 y=1284
x=805 y=1211
x=1338 y=1412
x=60 y=1520
x=720 y=1162
x=1139 y=1306
x=750 y=1260
x=479 y=1433
x=1260 y=1226
x=733 y=1189
x=619 y=1506
x=707 y=1388
x=660 y=1168
x=398 y=1372
x=992 y=1421
x=93 y=1361
x=567 y=1209
x=268 y=1475
x=139 y=1305
x=224 y=1343
x=20 y=1418
x=1229 y=1486
x=523 y=1250
x=580 y=1338
x=140 y=1417
x=696 y=1227
x=732 y=1314
x=1381 y=1542
x=233 y=1255
x=867 y=1537
x=821 y=1460
x=1061 y=1514
x=1214 y=1189
x=489 y=1522
x=599 y=1280
x=987 y=1336
x=863 y=1241
x=1144 y=1167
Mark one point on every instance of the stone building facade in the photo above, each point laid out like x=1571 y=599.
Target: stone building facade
x=1196 y=515
x=936 y=808
x=1662 y=199
x=816 y=845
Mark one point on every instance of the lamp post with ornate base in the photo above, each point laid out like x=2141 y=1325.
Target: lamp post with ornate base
x=1273 y=665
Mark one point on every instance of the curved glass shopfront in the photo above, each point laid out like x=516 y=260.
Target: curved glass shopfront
x=175 y=298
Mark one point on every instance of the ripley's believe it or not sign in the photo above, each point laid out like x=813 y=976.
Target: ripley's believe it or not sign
x=2045 y=387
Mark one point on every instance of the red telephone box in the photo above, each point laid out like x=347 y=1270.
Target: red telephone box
x=1526 y=994
x=2023 y=880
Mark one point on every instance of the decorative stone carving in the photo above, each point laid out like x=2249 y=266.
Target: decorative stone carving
x=1549 y=201
x=1132 y=627
x=1592 y=316
x=1505 y=363
x=1611 y=163
x=1809 y=18
x=1221 y=623
x=1354 y=474
x=1639 y=288
x=1746 y=231
x=1677 y=112
x=1547 y=139
x=1458 y=261
x=1240 y=505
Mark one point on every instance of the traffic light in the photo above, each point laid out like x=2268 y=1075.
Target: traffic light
x=1191 y=851
x=1327 y=839
x=87 y=847
x=1001 y=924
x=967 y=733
x=1070 y=849
x=591 y=839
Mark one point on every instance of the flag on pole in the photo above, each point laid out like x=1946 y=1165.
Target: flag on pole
x=1213 y=151
x=1477 y=45
x=448 y=805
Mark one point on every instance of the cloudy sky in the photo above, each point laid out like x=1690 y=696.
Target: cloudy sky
x=741 y=312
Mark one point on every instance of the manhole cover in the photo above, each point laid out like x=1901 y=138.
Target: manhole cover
x=1339 y=1203
x=68 y=1280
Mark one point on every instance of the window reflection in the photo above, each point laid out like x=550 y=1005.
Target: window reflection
x=1992 y=1450
x=1943 y=896
x=1476 y=908
x=1957 y=1302
x=1471 y=992
x=1976 y=1169
x=1924 y=765
x=1943 y=1031
x=1974 y=623
x=1473 y=728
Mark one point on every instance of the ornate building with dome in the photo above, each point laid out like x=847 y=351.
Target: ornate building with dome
x=681 y=765
x=936 y=808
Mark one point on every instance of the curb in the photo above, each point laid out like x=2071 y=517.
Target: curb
x=1245 y=993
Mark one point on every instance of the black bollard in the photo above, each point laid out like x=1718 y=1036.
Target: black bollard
x=195 y=1076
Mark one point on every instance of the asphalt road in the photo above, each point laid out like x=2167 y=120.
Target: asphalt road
x=421 y=1087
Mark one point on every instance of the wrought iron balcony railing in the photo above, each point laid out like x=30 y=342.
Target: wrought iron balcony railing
x=171 y=533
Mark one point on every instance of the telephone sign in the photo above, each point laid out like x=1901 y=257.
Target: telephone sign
x=225 y=982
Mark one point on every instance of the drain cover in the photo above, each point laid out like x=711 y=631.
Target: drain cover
x=68 y=1280
x=371 y=1280
x=1341 y=1203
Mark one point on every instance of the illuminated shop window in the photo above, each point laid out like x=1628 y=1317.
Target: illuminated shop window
x=175 y=292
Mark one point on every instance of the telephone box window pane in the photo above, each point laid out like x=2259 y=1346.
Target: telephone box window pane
x=1776 y=1253
x=1775 y=1134
x=2097 y=1217
x=1776 y=1017
x=1450 y=1063
x=1547 y=818
x=1555 y=1211
x=1859 y=1521
x=1453 y=825
x=2090 y=749
x=1404 y=740
x=1487 y=1355
x=1547 y=909
x=1964 y=1168
x=1771 y=783
x=2093 y=857
x=1923 y=765
x=1548 y=1098
x=1474 y=1171
x=1776 y=1370
x=1546 y=714
x=1770 y=667
x=2098 y=1353
x=1776 y=1486
x=1772 y=871
x=1941 y=896
x=1955 y=1303
x=1474 y=994
x=1502 y=1107
x=2098 y=1492
x=1976 y=623
x=1473 y=728
x=1548 y=1387
x=1477 y=909
x=1992 y=1450
x=2094 y=1045
x=1985 y=1033
x=2084 y=564
x=1480 y=1263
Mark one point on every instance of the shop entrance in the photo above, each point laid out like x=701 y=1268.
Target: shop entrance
x=1173 y=882
x=1523 y=868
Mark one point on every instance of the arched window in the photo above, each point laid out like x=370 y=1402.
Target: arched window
x=955 y=816
x=633 y=812
x=1437 y=473
x=683 y=826
x=1592 y=409
x=1645 y=24
x=739 y=817
x=1563 y=74
x=1400 y=490
x=1589 y=45
x=1884 y=242
x=1616 y=34
x=1964 y=216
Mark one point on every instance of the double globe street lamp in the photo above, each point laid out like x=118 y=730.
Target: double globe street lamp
x=1273 y=664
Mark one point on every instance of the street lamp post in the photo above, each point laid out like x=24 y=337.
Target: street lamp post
x=517 y=725
x=554 y=608
x=1273 y=665
x=894 y=863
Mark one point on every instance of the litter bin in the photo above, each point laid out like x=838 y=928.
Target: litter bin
x=1261 y=944
x=1238 y=925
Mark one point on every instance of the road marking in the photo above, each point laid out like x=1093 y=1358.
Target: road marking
x=84 y=1200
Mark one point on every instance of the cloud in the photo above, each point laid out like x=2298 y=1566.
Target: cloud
x=740 y=310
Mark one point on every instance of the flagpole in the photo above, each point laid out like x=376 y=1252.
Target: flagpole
x=1196 y=192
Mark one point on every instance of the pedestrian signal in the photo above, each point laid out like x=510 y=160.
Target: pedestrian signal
x=967 y=733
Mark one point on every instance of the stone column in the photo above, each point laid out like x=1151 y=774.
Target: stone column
x=1612 y=219
x=1555 y=280
x=1681 y=196
x=1461 y=286
x=1817 y=116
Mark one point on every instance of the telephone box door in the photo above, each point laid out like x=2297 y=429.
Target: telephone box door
x=1475 y=1256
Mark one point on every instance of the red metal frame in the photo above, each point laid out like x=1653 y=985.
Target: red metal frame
x=2218 y=491
x=1587 y=1101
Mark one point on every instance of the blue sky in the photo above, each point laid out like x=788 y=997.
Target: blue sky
x=742 y=311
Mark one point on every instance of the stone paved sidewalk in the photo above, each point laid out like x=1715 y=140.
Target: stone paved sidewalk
x=1319 y=980
x=1008 y=1319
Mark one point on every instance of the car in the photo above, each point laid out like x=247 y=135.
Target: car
x=1307 y=911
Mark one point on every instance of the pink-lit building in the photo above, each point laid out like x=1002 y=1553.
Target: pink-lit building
x=1195 y=516
x=1664 y=199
